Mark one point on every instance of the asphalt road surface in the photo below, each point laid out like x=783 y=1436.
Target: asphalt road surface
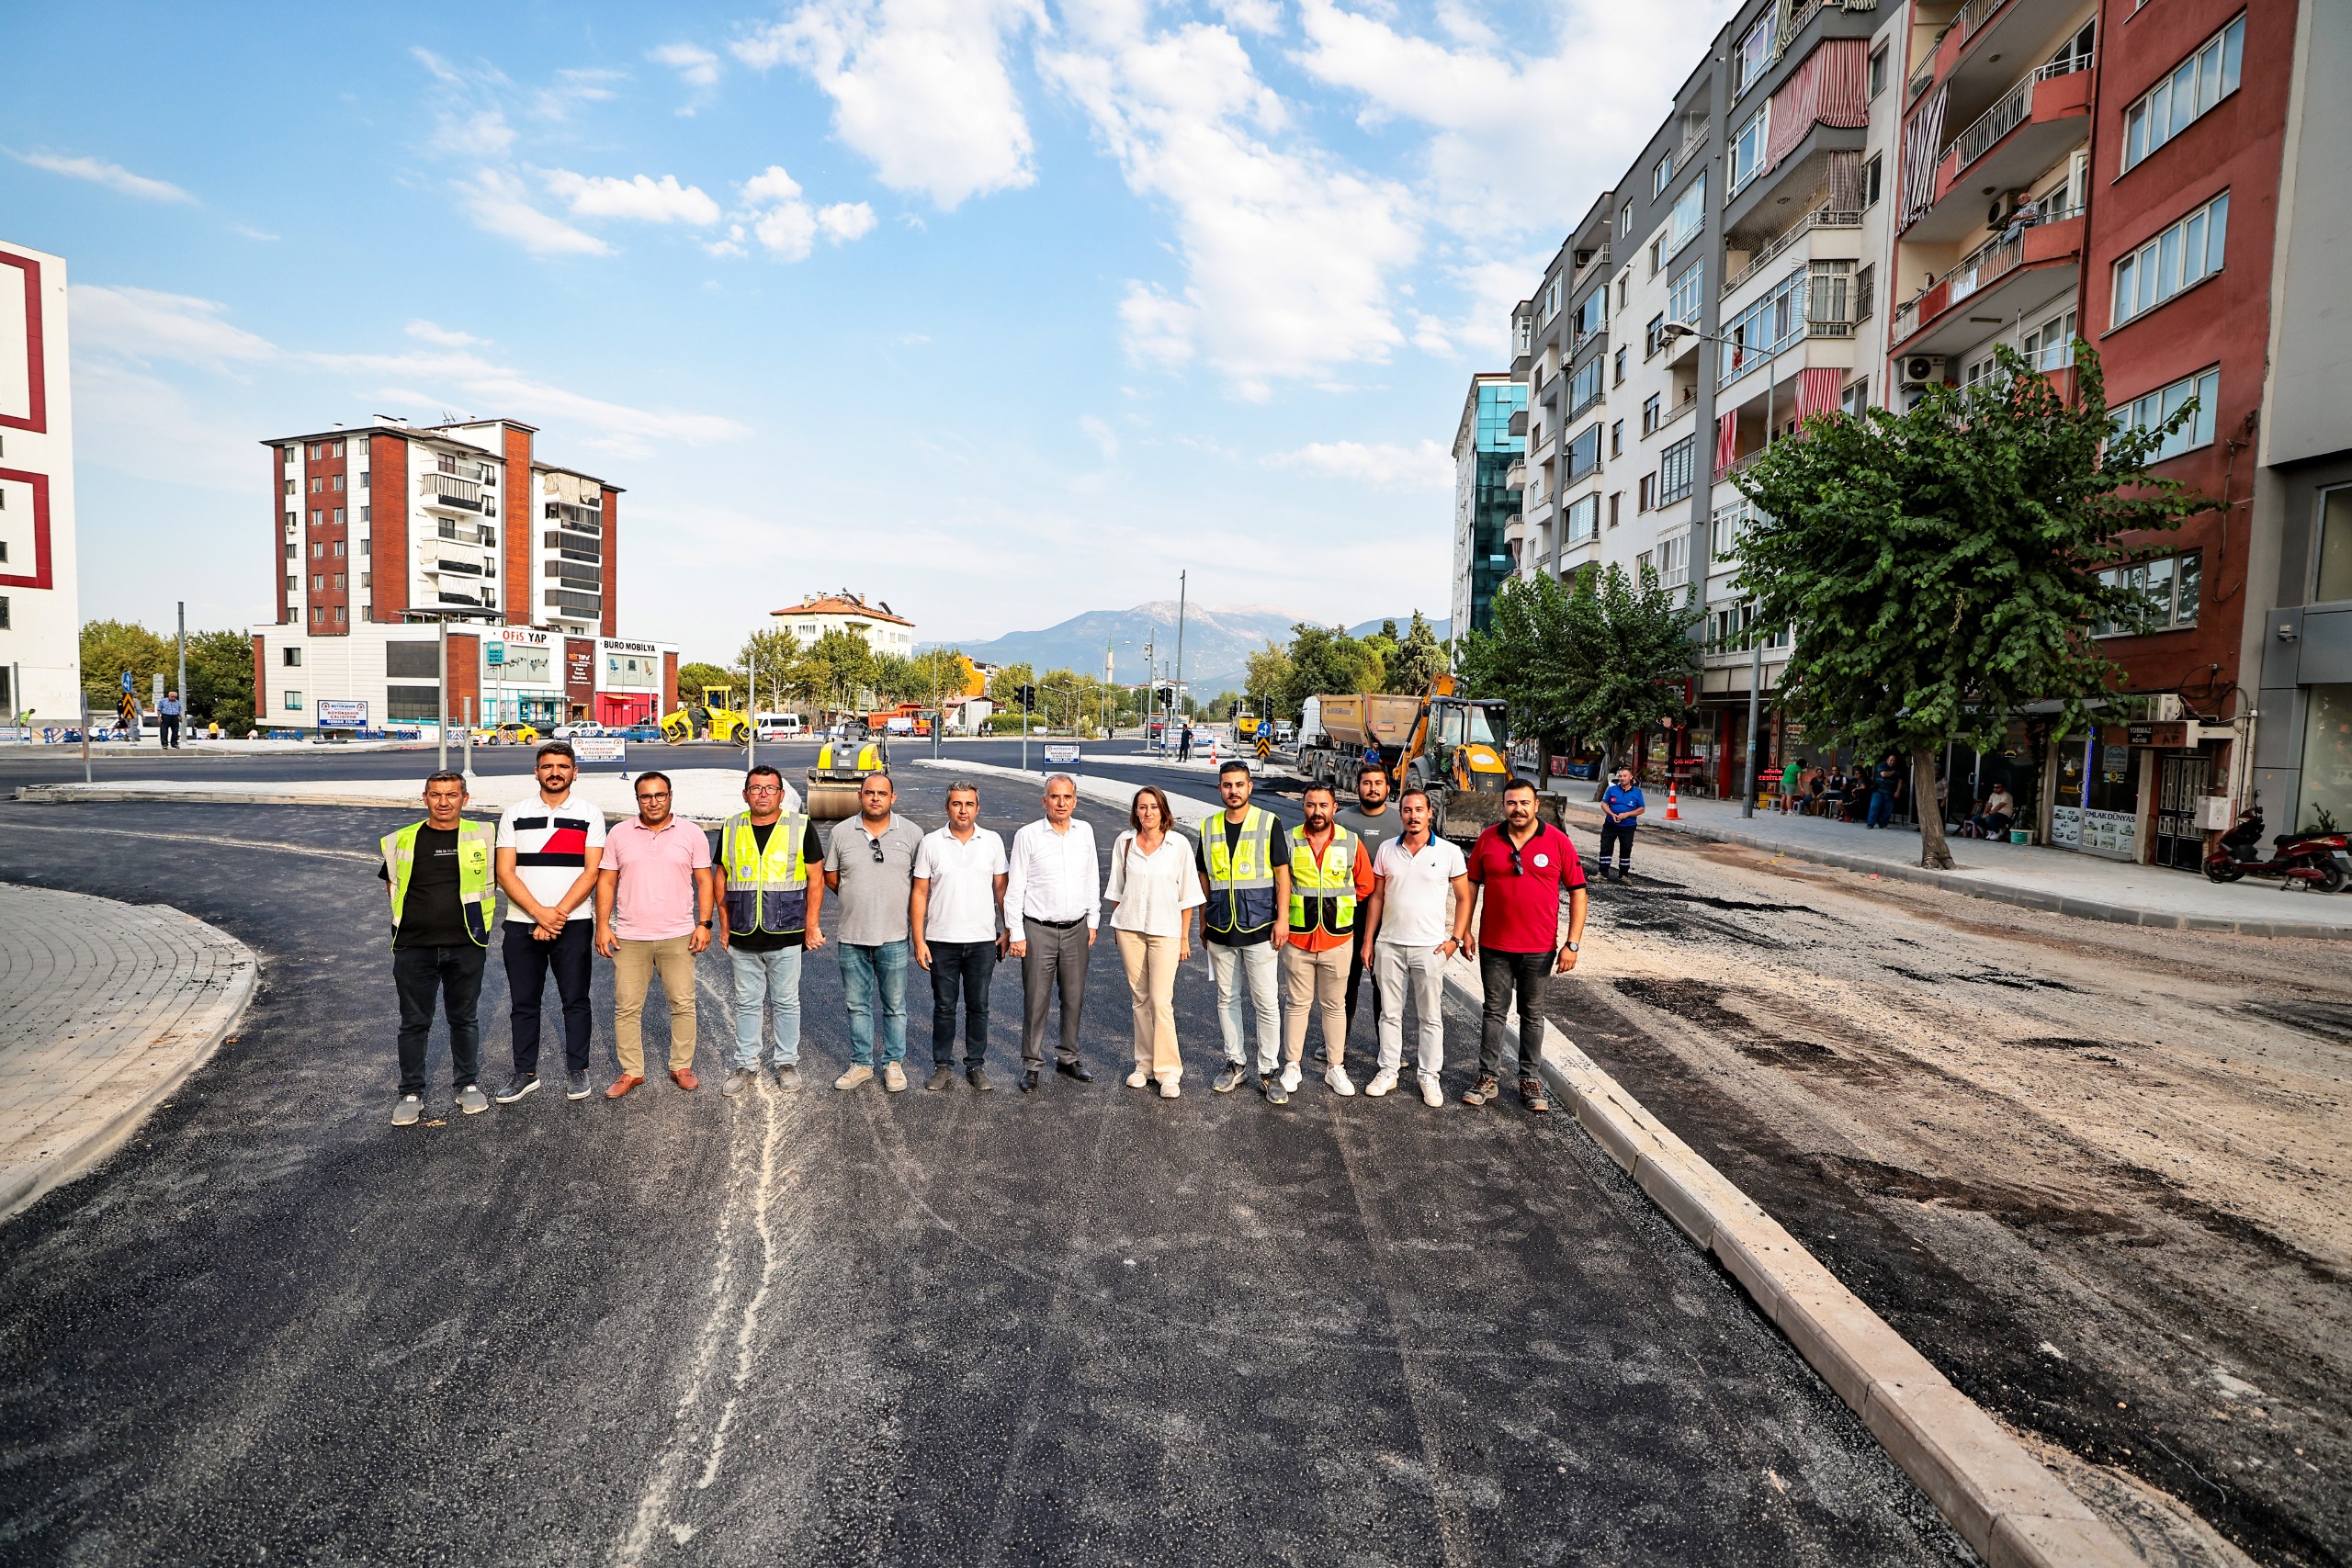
x=1083 y=1326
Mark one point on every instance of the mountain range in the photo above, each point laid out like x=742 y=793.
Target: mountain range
x=1217 y=642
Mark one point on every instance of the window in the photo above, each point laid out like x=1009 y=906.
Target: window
x=1682 y=296
x=364 y=513
x=1615 y=498
x=1874 y=169
x=1584 y=519
x=293 y=702
x=1657 y=254
x=1747 y=145
x=292 y=582
x=1641 y=564
x=318 y=549
x=1625 y=221
x=2335 y=546
x=1981 y=372
x=1689 y=216
x=338 y=516
x=1649 y=491
x=2147 y=412
x=291 y=549
x=5 y=623
x=1858 y=398
x=289 y=487
x=1877 y=71
x=1726 y=525
x=1623 y=279
x=1584 y=453
x=314 y=450
x=339 y=577
x=317 y=517
x=338 y=547
x=1865 y=292
x=1674 y=470
x=1590 y=313
x=2182 y=257
x=1662 y=176
x=2051 y=346
x=2199 y=83
x=1755 y=52
x=1550 y=305
x=1619 y=378
x=1617 y=439
x=317 y=484
x=1651 y=415
x=317 y=615
x=2168 y=592
x=338 y=450
x=1653 y=338
x=291 y=519
x=338 y=615
x=318 y=583
x=1584 y=389
x=338 y=481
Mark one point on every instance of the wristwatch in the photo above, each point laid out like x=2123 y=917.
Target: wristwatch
x=708 y=924
x=1574 y=948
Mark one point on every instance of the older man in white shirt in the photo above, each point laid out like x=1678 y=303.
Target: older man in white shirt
x=1052 y=902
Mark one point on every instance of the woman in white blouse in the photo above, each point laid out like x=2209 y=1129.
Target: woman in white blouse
x=1154 y=890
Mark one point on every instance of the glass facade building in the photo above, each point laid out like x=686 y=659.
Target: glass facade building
x=1485 y=503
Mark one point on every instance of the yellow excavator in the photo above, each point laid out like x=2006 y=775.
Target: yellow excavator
x=722 y=720
x=842 y=766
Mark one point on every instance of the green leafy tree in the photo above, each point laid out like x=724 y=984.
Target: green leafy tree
x=1598 y=657
x=938 y=676
x=835 y=668
x=1419 y=659
x=110 y=648
x=1267 y=683
x=220 y=680
x=769 y=659
x=1326 y=661
x=1941 y=568
x=1004 y=686
x=693 y=677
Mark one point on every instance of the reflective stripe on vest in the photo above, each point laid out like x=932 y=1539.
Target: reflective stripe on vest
x=1241 y=875
x=477 y=844
x=767 y=890
x=1323 y=891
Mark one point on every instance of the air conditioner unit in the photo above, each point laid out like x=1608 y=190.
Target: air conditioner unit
x=1923 y=368
x=2165 y=707
x=2004 y=208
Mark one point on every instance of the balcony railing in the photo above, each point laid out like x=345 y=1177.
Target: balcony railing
x=440 y=490
x=1974 y=14
x=1823 y=217
x=1988 y=264
x=2011 y=110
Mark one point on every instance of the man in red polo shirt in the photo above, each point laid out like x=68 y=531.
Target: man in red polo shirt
x=1522 y=866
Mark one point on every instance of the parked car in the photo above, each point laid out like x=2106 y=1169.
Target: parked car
x=511 y=733
x=781 y=727
x=578 y=728
x=641 y=732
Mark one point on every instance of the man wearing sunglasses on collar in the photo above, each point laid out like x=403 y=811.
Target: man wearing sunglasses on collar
x=870 y=876
x=1522 y=866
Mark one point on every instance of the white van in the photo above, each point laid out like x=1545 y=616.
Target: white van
x=780 y=727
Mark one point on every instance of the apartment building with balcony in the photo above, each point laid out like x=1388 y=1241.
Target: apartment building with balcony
x=395 y=523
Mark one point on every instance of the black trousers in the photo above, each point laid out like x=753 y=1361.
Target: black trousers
x=1357 y=974
x=528 y=960
x=1528 y=976
x=965 y=966
x=1620 y=834
x=168 y=731
x=454 y=975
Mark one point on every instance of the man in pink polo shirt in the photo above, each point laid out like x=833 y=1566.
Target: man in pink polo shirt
x=653 y=911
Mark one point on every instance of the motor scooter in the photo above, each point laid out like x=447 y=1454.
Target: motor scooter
x=2299 y=860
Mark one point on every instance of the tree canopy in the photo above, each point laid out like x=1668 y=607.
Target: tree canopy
x=1942 y=567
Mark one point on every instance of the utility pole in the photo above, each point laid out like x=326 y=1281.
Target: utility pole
x=441 y=729
x=1178 y=692
x=1754 y=712
x=752 y=680
x=183 y=685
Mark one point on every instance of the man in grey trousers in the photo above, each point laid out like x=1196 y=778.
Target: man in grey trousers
x=1053 y=901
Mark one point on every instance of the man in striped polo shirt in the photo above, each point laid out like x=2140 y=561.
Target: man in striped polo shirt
x=549 y=849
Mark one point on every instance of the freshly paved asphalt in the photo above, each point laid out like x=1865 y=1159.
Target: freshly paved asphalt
x=1087 y=1324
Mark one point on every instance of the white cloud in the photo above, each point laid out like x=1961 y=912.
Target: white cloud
x=1425 y=466
x=1290 y=254
x=98 y=171
x=572 y=87
x=785 y=223
x=431 y=332
x=845 y=220
x=143 y=324
x=788 y=230
x=498 y=204
x=771 y=183
x=482 y=134
x=1251 y=15
x=920 y=87
x=695 y=65
x=641 y=197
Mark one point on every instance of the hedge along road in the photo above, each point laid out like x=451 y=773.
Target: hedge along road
x=1083 y=1324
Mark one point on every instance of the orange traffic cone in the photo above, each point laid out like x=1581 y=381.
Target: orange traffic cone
x=1673 y=803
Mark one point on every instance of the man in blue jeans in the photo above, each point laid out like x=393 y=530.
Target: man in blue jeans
x=768 y=907
x=1620 y=812
x=1887 y=785
x=870 y=868
x=957 y=920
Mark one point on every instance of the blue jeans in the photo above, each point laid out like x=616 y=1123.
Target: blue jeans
x=1882 y=809
x=869 y=973
x=767 y=993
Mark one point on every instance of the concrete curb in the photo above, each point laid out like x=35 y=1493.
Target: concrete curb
x=1588 y=815
x=74 y=794
x=72 y=1163
x=2006 y=1505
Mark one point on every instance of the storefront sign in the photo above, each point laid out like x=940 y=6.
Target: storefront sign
x=2160 y=735
x=2112 y=835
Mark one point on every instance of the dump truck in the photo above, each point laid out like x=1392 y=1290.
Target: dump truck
x=1448 y=745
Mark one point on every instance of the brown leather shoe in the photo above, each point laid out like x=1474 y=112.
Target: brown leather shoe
x=684 y=1077
x=623 y=1084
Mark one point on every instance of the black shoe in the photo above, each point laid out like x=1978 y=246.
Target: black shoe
x=1233 y=1072
x=1074 y=1070
x=518 y=1086
x=1029 y=1081
x=978 y=1078
x=941 y=1076
x=1270 y=1085
x=1531 y=1093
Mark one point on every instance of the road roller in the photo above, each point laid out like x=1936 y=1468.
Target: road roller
x=842 y=766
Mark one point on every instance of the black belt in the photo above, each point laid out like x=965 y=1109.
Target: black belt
x=1052 y=925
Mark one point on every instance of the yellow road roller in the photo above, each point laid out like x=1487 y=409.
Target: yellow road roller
x=842 y=766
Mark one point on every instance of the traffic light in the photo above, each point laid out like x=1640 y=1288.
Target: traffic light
x=1028 y=697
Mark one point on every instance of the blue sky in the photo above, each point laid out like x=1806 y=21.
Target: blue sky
x=1002 y=310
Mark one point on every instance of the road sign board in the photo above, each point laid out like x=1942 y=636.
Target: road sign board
x=600 y=749
x=126 y=681
x=336 y=712
x=1061 y=750
x=1265 y=746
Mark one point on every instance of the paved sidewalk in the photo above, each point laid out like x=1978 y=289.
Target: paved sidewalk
x=105 y=1008
x=2061 y=880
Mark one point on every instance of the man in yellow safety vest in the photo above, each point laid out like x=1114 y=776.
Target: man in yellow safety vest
x=1330 y=877
x=768 y=915
x=1246 y=880
x=438 y=874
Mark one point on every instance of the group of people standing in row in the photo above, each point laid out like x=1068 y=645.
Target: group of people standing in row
x=1291 y=921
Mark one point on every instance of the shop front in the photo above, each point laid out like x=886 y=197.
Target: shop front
x=629 y=682
x=2096 y=808
x=2136 y=792
x=521 y=680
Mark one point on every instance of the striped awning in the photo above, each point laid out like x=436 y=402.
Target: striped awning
x=1830 y=87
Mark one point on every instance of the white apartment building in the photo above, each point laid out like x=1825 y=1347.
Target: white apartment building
x=41 y=620
x=818 y=614
x=383 y=674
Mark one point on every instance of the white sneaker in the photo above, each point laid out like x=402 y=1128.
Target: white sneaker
x=1138 y=1078
x=853 y=1077
x=1168 y=1089
x=1381 y=1082
x=1431 y=1094
x=1338 y=1081
x=1290 y=1079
